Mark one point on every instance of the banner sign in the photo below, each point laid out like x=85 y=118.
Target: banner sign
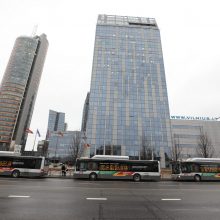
x=194 y=118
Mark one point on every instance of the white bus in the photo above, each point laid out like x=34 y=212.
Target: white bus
x=16 y=166
x=196 y=169
x=116 y=167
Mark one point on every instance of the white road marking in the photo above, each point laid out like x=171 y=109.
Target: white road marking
x=96 y=198
x=18 y=196
x=170 y=199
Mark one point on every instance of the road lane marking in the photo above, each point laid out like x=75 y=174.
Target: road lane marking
x=96 y=198
x=18 y=196
x=170 y=199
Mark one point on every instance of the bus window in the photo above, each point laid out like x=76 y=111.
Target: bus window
x=18 y=163
x=186 y=168
x=37 y=163
x=6 y=163
x=92 y=166
x=111 y=166
x=175 y=168
x=83 y=166
x=138 y=167
x=153 y=167
x=195 y=168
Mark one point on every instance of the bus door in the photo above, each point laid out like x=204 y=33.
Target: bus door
x=176 y=168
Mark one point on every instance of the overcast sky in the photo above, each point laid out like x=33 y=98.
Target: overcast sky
x=190 y=35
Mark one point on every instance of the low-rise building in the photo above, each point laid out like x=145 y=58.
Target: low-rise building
x=186 y=132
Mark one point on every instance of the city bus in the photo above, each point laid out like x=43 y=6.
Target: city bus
x=116 y=167
x=29 y=166
x=196 y=169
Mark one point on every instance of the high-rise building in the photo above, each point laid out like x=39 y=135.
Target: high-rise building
x=63 y=144
x=128 y=109
x=56 y=121
x=19 y=88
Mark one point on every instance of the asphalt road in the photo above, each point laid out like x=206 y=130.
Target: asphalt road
x=68 y=199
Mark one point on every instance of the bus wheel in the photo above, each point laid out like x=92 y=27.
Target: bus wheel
x=93 y=176
x=137 y=178
x=15 y=174
x=197 y=178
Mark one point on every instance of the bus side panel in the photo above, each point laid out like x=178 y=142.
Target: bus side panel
x=5 y=172
x=82 y=174
x=115 y=175
x=150 y=176
x=123 y=175
x=210 y=176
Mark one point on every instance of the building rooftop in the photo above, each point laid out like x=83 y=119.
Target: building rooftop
x=126 y=21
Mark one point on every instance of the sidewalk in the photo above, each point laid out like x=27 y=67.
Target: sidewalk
x=57 y=173
x=165 y=174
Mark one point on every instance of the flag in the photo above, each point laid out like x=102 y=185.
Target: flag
x=38 y=133
x=28 y=130
x=60 y=133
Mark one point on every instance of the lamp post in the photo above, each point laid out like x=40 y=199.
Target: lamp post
x=104 y=137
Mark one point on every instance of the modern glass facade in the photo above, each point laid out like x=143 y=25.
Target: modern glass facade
x=62 y=143
x=56 y=121
x=62 y=147
x=128 y=102
x=19 y=88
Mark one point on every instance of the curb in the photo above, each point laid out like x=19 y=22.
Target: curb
x=60 y=177
x=71 y=177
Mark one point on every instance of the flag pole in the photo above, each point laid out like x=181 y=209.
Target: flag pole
x=34 y=141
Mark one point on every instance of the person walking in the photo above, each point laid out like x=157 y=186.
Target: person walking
x=63 y=169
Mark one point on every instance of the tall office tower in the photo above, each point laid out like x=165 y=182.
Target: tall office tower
x=55 y=134
x=128 y=104
x=56 y=121
x=19 y=88
x=61 y=142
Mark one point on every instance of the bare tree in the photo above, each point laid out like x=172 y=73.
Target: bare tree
x=176 y=150
x=204 y=148
x=75 y=146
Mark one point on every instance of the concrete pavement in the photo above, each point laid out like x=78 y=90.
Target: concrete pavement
x=65 y=199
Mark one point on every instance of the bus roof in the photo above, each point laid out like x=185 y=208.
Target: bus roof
x=9 y=153
x=196 y=159
x=18 y=155
x=110 y=157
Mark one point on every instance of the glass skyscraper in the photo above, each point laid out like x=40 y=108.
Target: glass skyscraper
x=127 y=107
x=56 y=121
x=19 y=88
x=62 y=143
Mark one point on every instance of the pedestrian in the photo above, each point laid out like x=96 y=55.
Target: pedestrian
x=63 y=168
